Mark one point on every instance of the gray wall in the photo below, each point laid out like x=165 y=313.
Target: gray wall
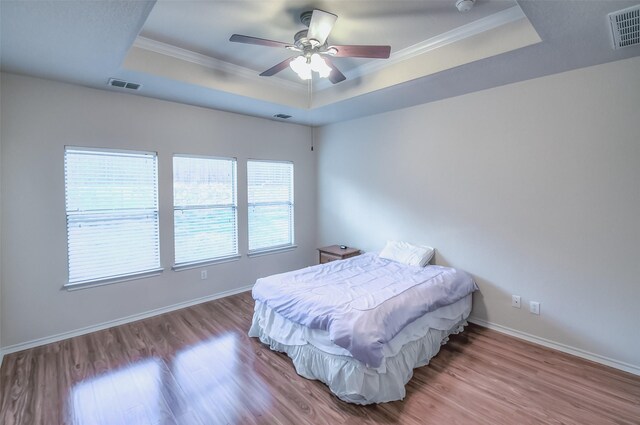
x=40 y=117
x=531 y=187
x=1 y=202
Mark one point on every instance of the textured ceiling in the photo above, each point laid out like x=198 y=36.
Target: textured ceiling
x=87 y=42
x=76 y=41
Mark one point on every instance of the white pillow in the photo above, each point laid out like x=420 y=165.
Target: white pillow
x=404 y=252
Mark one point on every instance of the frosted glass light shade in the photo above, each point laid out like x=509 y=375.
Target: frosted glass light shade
x=319 y=65
x=301 y=67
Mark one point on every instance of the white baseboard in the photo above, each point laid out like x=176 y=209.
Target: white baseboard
x=627 y=367
x=117 y=322
x=558 y=346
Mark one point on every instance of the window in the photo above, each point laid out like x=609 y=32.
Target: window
x=270 y=197
x=112 y=214
x=204 y=209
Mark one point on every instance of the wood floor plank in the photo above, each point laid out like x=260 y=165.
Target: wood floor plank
x=198 y=366
x=575 y=392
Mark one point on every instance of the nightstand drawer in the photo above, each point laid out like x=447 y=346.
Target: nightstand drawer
x=326 y=257
x=334 y=252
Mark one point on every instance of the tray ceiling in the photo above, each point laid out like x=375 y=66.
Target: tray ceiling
x=179 y=50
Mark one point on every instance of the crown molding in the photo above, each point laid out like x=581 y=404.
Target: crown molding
x=213 y=63
x=471 y=29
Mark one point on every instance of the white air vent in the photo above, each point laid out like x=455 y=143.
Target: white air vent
x=625 y=26
x=124 y=84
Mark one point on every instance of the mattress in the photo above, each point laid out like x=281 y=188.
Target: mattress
x=362 y=302
x=316 y=357
x=363 y=324
x=287 y=332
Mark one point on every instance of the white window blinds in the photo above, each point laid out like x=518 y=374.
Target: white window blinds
x=112 y=214
x=205 y=209
x=270 y=198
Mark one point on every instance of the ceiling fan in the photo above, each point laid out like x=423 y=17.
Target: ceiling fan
x=314 y=52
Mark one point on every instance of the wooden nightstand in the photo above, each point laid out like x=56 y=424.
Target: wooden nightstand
x=334 y=252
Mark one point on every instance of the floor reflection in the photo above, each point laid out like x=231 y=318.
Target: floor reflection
x=129 y=395
x=204 y=383
x=218 y=386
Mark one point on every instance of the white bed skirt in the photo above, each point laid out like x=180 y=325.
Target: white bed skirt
x=348 y=378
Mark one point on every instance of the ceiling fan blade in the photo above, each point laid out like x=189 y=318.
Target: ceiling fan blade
x=351 y=51
x=321 y=25
x=336 y=76
x=277 y=68
x=237 y=38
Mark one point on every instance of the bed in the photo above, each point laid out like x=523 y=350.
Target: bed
x=361 y=325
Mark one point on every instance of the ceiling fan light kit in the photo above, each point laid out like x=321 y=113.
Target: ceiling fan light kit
x=313 y=50
x=319 y=65
x=301 y=67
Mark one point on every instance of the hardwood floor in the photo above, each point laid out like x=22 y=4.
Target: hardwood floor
x=197 y=366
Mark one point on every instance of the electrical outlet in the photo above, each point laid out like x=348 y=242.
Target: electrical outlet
x=203 y=274
x=515 y=301
x=534 y=307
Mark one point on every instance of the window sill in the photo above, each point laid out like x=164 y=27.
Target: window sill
x=269 y=251
x=196 y=264
x=111 y=280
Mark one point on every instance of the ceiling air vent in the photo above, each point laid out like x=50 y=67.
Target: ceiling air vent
x=282 y=116
x=625 y=26
x=124 y=84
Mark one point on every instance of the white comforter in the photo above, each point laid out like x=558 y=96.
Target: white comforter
x=362 y=302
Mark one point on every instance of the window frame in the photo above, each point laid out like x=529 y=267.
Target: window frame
x=275 y=248
x=213 y=260
x=122 y=277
